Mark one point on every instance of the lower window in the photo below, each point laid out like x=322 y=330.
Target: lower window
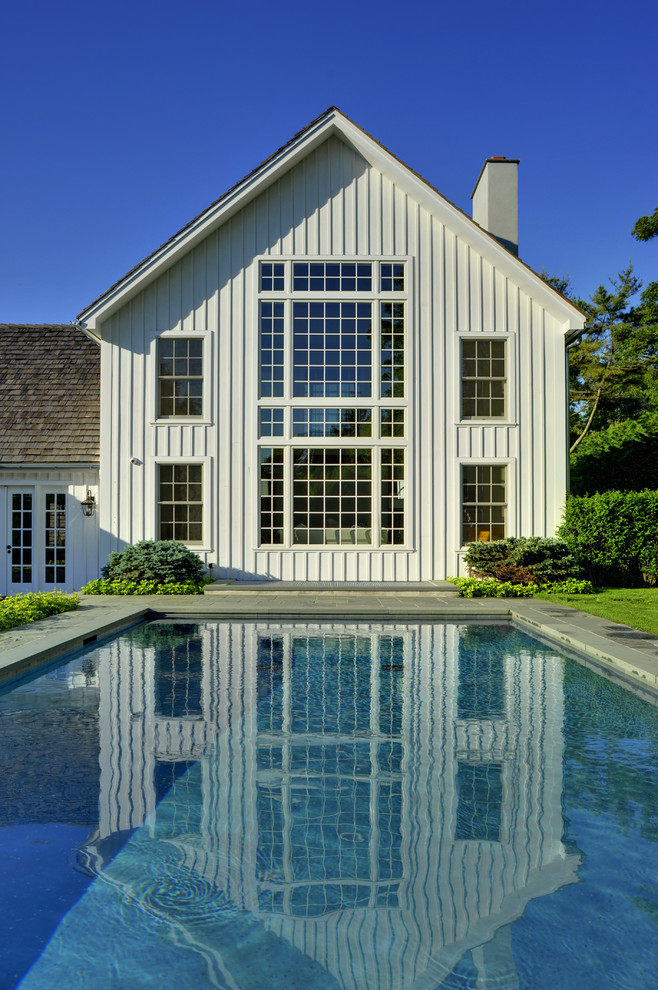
x=180 y=506
x=483 y=503
x=340 y=496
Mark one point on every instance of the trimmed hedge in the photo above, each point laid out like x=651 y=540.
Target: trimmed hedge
x=470 y=587
x=162 y=561
x=614 y=535
x=17 y=610
x=115 y=586
x=522 y=560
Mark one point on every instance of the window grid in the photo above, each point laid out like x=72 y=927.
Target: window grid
x=21 y=538
x=180 y=502
x=270 y=422
x=392 y=496
x=332 y=422
x=271 y=349
x=271 y=496
x=180 y=377
x=392 y=350
x=332 y=349
x=354 y=858
x=480 y=802
x=391 y=277
x=392 y=423
x=332 y=495
x=483 y=378
x=332 y=276
x=272 y=276
x=483 y=503
x=55 y=538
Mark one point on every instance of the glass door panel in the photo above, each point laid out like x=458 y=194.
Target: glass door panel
x=20 y=545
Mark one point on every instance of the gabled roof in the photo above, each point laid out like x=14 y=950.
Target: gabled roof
x=332 y=121
x=49 y=395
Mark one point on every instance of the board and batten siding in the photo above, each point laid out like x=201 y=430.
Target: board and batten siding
x=333 y=204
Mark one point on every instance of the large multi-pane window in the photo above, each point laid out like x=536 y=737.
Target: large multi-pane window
x=180 y=502
x=483 y=502
x=180 y=376
x=483 y=379
x=332 y=349
x=332 y=368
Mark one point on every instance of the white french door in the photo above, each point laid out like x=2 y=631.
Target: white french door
x=20 y=546
x=36 y=537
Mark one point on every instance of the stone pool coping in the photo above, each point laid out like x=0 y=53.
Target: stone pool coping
x=614 y=648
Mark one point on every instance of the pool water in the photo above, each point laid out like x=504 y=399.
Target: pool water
x=276 y=805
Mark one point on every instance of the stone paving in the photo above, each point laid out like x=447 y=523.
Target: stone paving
x=616 y=648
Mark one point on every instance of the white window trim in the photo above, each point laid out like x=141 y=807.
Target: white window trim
x=205 y=419
x=374 y=402
x=206 y=542
x=510 y=465
x=510 y=417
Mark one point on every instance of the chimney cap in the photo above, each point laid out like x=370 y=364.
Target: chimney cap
x=499 y=160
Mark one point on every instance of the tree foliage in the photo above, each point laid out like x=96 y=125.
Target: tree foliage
x=613 y=368
x=646 y=227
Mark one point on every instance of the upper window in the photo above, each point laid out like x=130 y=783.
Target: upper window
x=180 y=376
x=332 y=276
x=483 y=503
x=483 y=378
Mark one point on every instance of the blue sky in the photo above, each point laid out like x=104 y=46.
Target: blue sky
x=122 y=121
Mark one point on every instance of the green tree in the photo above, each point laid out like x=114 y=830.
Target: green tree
x=646 y=227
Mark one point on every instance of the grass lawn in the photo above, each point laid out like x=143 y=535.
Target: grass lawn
x=637 y=607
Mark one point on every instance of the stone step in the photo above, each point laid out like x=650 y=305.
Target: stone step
x=227 y=587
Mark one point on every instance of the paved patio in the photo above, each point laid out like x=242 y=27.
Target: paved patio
x=615 y=648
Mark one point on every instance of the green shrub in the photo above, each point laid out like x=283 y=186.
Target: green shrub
x=614 y=535
x=622 y=457
x=572 y=586
x=470 y=587
x=522 y=560
x=165 y=561
x=118 y=586
x=17 y=610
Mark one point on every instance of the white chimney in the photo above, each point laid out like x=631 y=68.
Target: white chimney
x=496 y=200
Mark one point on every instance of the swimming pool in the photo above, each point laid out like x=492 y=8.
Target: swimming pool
x=278 y=805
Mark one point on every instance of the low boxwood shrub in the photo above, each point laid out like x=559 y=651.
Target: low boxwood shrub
x=164 y=561
x=17 y=610
x=614 y=535
x=573 y=586
x=470 y=587
x=118 y=586
x=522 y=560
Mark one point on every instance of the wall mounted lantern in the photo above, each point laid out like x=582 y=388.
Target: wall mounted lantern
x=89 y=504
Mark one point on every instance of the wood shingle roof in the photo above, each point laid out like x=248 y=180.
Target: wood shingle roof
x=49 y=395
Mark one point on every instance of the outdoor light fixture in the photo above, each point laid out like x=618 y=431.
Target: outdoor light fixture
x=89 y=504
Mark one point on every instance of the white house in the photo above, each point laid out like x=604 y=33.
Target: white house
x=333 y=373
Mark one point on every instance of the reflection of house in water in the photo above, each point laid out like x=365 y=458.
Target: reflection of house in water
x=394 y=796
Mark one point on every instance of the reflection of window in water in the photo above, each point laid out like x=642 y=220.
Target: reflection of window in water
x=481 y=691
x=178 y=673
x=480 y=796
x=330 y=791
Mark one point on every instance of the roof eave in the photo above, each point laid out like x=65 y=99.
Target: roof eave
x=214 y=216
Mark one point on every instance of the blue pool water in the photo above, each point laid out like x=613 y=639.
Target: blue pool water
x=370 y=807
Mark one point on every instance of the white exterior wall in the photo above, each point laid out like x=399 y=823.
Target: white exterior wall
x=82 y=533
x=335 y=205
